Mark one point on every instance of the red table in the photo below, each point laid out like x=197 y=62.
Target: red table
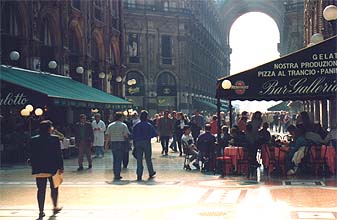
x=330 y=157
x=236 y=154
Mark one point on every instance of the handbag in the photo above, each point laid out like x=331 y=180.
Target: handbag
x=57 y=179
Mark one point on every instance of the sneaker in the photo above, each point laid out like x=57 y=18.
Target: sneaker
x=41 y=214
x=153 y=175
x=290 y=172
x=80 y=168
x=196 y=165
x=118 y=178
x=57 y=210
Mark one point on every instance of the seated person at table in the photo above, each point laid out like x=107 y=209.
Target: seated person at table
x=251 y=145
x=225 y=137
x=319 y=130
x=264 y=134
x=331 y=138
x=205 y=145
x=296 y=147
x=189 y=147
x=237 y=138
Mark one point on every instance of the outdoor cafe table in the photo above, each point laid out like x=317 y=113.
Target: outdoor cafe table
x=236 y=154
x=329 y=153
x=280 y=155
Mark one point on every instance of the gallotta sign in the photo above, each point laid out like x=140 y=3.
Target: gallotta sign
x=310 y=73
x=13 y=99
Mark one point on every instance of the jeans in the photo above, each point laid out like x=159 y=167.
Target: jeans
x=99 y=150
x=41 y=184
x=117 y=148
x=144 y=147
x=84 y=148
x=164 y=143
x=174 y=143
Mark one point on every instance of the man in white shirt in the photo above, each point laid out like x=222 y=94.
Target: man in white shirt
x=116 y=134
x=99 y=128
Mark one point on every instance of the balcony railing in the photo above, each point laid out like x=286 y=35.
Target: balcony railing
x=157 y=9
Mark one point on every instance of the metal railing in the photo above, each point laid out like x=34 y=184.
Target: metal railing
x=157 y=8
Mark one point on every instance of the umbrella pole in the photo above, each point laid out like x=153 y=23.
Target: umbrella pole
x=218 y=105
x=230 y=114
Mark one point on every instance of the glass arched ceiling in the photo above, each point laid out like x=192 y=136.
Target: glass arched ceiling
x=254 y=38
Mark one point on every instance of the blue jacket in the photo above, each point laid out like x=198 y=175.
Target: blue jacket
x=143 y=131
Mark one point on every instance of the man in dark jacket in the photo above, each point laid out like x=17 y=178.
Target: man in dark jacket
x=84 y=137
x=142 y=134
x=206 y=144
x=45 y=157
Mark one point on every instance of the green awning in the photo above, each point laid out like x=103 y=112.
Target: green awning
x=209 y=105
x=61 y=89
x=282 y=106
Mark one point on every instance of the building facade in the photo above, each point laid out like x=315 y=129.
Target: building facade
x=73 y=33
x=324 y=111
x=173 y=53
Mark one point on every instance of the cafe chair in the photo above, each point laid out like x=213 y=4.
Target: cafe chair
x=223 y=165
x=268 y=158
x=243 y=162
x=318 y=160
x=187 y=157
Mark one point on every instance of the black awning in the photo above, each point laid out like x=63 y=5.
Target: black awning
x=310 y=73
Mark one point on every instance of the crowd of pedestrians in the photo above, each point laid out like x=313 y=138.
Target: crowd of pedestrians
x=195 y=136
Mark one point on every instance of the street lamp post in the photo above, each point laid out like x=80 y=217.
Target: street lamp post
x=226 y=84
x=80 y=70
x=28 y=113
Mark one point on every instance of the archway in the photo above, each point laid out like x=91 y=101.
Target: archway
x=48 y=40
x=254 y=38
x=76 y=48
x=134 y=87
x=13 y=31
x=166 y=91
x=233 y=9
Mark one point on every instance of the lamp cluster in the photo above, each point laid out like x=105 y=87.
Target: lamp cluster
x=131 y=82
x=26 y=112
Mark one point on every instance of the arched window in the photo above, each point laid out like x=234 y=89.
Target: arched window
x=95 y=65
x=45 y=35
x=112 y=56
x=166 y=85
x=76 y=4
x=9 y=20
x=74 y=56
x=98 y=10
x=47 y=51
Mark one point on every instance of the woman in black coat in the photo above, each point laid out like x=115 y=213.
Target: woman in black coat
x=45 y=157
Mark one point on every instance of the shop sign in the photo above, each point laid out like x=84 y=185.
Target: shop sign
x=14 y=99
x=133 y=90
